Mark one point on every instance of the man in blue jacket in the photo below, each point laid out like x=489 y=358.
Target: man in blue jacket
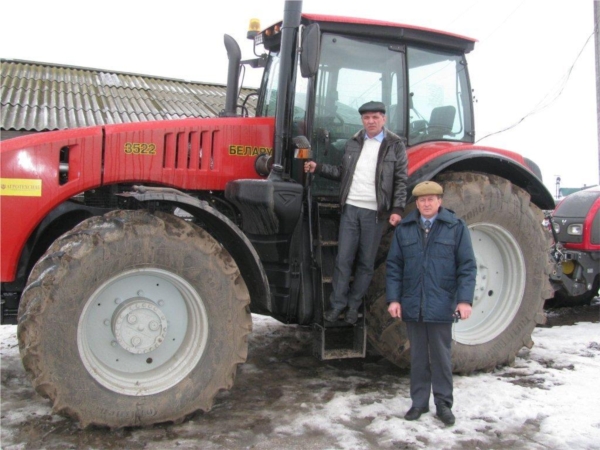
x=430 y=277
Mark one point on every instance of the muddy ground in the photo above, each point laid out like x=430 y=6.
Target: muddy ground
x=274 y=387
x=569 y=316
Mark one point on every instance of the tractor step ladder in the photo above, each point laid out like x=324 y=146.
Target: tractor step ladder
x=339 y=339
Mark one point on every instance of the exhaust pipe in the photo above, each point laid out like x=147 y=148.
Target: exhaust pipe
x=233 y=77
x=292 y=16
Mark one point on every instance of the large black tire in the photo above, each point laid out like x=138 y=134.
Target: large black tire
x=133 y=319
x=512 y=251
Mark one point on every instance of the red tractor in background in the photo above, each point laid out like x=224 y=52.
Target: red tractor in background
x=136 y=253
x=575 y=224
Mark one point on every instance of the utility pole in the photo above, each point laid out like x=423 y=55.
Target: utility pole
x=597 y=46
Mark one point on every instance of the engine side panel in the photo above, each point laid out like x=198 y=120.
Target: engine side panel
x=39 y=172
x=195 y=154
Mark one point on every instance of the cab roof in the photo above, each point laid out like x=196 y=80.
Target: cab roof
x=384 y=29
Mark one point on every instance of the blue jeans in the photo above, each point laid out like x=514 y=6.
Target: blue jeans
x=359 y=236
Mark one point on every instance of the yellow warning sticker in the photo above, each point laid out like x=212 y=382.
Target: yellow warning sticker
x=20 y=187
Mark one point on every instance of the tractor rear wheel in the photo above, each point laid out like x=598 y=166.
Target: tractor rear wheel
x=513 y=266
x=133 y=319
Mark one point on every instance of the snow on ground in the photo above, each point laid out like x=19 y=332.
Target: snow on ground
x=286 y=399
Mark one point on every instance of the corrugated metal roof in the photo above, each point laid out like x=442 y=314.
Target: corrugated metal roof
x=41 y=97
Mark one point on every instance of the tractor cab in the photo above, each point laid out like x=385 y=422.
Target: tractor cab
x=424 y=84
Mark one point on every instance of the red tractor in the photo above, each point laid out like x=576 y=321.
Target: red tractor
x=576 y=229
x=136 y=253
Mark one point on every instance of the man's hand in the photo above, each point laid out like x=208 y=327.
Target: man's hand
x=465 y=310
x=395 y=310
x=309 y=166
x=395 y=219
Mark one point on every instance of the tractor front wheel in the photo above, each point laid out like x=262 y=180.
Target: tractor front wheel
x=133 y=319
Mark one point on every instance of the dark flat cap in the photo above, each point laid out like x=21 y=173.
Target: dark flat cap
x=372 y=107
x=427 y=188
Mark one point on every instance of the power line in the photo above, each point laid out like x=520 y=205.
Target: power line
x=503 y=22
x=463 y=12
x=477 y=2
x=540 y=105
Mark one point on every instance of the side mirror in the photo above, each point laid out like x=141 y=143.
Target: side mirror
x=311 y=48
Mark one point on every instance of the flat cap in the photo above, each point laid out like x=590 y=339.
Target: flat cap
x=372 y=107
x=427 y=188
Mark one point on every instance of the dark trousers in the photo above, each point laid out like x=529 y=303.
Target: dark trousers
x=430 y=362
x=359 y=237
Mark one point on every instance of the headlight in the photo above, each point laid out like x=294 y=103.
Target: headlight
x=556 y=227
x=575 y=229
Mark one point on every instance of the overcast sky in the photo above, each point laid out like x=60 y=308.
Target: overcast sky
x=532 y=69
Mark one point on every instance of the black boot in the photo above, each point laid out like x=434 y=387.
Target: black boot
x=351 y=316
x=444 y=413
x=414 y=413
x=332 y=315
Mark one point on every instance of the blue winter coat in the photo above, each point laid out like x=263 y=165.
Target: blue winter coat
x=430 y=278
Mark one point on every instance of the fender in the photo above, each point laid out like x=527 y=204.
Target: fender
x=224 y=231
x=58 y=221
x=38 y=160
x=428 y=160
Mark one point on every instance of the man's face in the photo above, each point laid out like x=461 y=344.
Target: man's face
x=373 y=123
x=428 y=205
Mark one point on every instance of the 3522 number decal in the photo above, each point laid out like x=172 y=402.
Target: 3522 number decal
x=139 y=148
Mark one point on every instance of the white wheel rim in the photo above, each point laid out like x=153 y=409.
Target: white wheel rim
x=142 y=331
x=501 y=279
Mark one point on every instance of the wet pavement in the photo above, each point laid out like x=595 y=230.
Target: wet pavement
x=280 y=383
